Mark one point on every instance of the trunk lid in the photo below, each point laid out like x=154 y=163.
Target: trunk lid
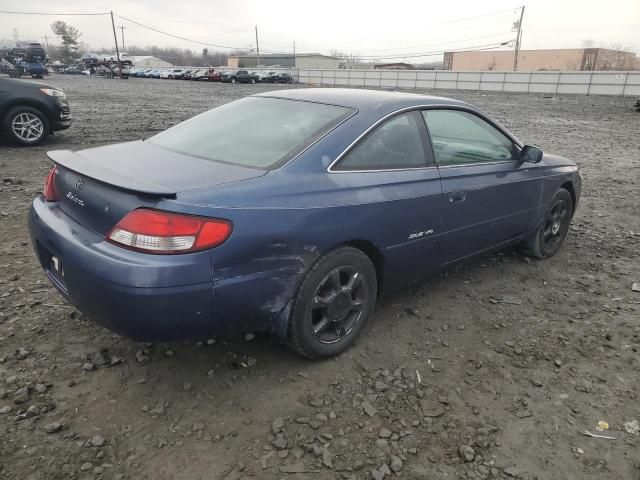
x=97 y=187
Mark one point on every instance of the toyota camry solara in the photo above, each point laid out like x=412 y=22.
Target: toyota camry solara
x=289 y=212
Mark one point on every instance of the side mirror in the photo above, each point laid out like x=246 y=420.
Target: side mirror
x=531 y=154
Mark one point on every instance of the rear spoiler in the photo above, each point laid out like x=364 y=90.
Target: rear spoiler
x=100 y=172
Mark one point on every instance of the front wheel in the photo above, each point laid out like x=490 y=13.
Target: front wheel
x=550 y=235
x=333 y=304
x=25 y=126
x=253 y=80
x=233 y=80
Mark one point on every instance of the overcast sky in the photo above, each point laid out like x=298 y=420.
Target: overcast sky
x=365 y=28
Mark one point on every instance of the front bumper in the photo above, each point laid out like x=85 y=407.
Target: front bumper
x=145 y=297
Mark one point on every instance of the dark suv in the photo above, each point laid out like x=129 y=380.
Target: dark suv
x=239 y=76
x=31 y=111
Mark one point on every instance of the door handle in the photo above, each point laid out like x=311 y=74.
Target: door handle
x=457 y=197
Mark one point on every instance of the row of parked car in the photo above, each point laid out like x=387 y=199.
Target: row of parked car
x=213 y=75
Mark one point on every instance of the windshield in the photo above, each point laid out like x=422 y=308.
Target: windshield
x=257 y=132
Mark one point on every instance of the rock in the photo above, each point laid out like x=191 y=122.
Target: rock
x=536 y=382
x=3 y=393
x=33 y=411
x=86 y=467
x=316 y=402
x=198 y=427
x=380 y=473
x=524 y=414
x=431 y=410
x=53 y=427
x=369 y=409
x=632 y=427
x=22 y=353
x=327 y=458
x=142 y=358
x=40 y=387
x=11 y=380
x=97 y=441
x=635 y=287
x=384 y=433
x=557 y=362
x=87 y=367
x=6 y=409
x=381 y=443
x=21 y=396
x=249 y=336
x=280 y=442
x=102 y=358
x=395 y=464
x=211 y=341
x=277 y=425
x=466 y=453
x=186 y=387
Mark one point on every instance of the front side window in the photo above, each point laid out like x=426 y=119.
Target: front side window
x=460 y=138
x=257 y=132
x=396 y=144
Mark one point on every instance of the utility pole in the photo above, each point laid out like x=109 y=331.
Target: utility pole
x=257 y=46
x=115 y=39
x=122 y=29
x=294 y=53
x=46 y=39
x=518 y=40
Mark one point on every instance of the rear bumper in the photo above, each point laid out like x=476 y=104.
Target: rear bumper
x=145 y=297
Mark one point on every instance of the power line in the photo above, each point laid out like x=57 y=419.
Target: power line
x=489 y=46
x=441 y=43
x=52 y=14
x=178 y=36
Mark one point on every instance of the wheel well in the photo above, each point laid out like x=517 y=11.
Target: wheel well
x=374 y=254
x=568 y=186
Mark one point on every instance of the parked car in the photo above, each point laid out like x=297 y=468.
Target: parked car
x=72 y=71
x=172 y=73
x=214 y=75
x=280 y=78
x=263 y=75
x=199 y=75
x=289 y=212
x=239 y=76
x=30 y=111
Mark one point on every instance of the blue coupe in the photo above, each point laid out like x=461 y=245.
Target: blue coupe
x=289 y=212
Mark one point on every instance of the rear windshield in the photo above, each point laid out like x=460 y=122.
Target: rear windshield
x=256 y=132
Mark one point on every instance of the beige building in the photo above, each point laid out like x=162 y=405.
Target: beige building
x=303 y=61
x=535 y=60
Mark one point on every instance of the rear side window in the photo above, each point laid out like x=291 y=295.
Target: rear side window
x=256 y=132
x=460 y=138
x=397 y=143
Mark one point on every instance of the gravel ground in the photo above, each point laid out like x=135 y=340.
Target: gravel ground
x=492 y=370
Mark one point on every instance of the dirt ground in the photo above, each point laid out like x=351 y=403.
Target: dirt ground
x=493 y=370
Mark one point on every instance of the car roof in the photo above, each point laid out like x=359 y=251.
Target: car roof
x=381 y=101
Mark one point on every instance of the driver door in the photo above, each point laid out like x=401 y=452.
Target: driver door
x=490 y=197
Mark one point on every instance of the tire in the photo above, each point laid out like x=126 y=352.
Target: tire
x=333 y=304
x=253 y=80
x=549 y=237
x=233 y=80
x=35 y=134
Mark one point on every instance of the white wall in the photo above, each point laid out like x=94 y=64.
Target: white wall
x=582 y=83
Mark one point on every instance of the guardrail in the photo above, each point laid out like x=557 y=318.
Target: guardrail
x=569 y=82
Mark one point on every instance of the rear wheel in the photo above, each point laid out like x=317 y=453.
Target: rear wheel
x=550 y=235
x=25 y=126
x=233 y=80
x=334 y=303
x=253 y=80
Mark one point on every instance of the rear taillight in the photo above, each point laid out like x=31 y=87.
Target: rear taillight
x=49 y=189
x=154 y=231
